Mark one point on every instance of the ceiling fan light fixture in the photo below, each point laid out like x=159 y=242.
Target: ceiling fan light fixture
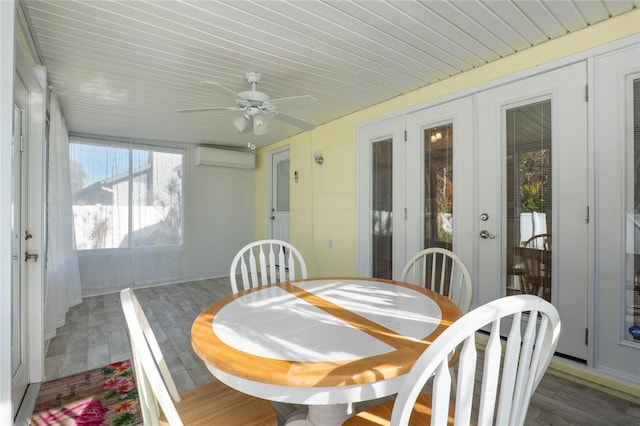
x=259 y=125
x=240 y=122
x=256 y=107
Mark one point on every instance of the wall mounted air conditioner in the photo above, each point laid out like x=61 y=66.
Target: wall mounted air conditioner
x=206 y=156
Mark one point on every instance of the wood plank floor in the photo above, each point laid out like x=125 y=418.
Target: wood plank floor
x=95 y=334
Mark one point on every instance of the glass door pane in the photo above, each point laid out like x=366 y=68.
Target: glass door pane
x=529 y=195
x=282 y=189
x=382 y=209
x=280 y=194
x=438 y=187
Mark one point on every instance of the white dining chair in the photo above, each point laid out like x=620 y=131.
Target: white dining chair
x=442 y=271
x=160 y=402
x=507 y=378
x=266 y=262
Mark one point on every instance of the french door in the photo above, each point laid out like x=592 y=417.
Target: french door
x=416 y=189
x=439 y=179
x=532 y=204
x=19 y=241
x=500 y=178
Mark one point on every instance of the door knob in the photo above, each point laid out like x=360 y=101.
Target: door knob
x=484 y=234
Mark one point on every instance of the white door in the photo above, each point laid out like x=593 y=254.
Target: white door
x=439 y=179
x=280 y=190
x=19 y=242
x=380 y=199
x=532 y=180
x=617 y=140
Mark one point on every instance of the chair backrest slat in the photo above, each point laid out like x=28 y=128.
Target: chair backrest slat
x=468 y=357
x=442 y=271
x=490 y=372
x=269 y=261
x=509 y=370
x=509 y=377
x=442 y=385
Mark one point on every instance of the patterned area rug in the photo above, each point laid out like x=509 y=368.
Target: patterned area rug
x=100 y=397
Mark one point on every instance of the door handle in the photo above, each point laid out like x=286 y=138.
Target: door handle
x=273 y=218
x=484 y=234
x=30 y=256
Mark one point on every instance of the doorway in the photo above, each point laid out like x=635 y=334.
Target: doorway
x=440 y=151
x=617 y=207
x=19 y=241
x=501 y=178
x=279 y=188
x=532 y=192
x=27 y=232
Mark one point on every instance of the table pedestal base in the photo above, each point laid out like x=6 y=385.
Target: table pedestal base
x=322 y=415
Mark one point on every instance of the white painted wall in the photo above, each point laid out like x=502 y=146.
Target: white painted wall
x=219 y=216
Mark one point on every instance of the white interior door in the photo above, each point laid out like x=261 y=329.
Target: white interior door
x=280 y=187
x=19 y=340
x=532 y=179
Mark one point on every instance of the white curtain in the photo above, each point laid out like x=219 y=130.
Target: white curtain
x=62 y=275
x=127 y=214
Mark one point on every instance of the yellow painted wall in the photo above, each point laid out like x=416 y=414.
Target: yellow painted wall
x=323 y=202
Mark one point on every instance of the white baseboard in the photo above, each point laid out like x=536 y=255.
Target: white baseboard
x=594 y=379
x=579 y=373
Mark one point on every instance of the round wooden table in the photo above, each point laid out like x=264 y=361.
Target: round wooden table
x=321 y=342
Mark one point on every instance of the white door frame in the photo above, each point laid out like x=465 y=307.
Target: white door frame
x=391 y=128
x=613 y=128
x=458 y=112
x=34 y=78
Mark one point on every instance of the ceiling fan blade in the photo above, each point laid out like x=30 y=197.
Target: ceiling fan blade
x=294 y=100
x=210 y=109
x=219 y=85
x=295 y=121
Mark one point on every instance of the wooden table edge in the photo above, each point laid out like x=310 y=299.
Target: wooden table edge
x=307 y=374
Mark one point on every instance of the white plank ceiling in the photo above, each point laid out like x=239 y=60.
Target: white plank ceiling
x=122 y=68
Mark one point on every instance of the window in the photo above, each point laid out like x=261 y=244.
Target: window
x=125 y=196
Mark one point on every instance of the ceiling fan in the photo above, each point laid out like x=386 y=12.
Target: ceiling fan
x=255 y=106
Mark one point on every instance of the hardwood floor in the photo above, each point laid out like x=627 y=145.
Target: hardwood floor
x=95 y=334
